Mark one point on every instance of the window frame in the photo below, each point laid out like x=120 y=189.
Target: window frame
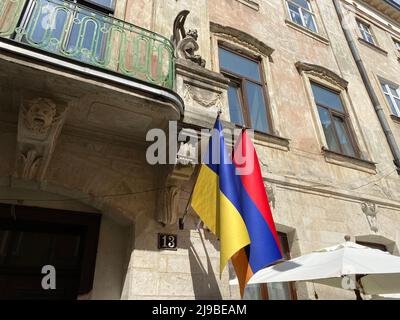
x=388 y=92
x=292 y=287
x=241 y=80
x=396 y=43
x=334 y=113
x=310 y=11
x=92 y=4
x=366 y=27
x=29 y=8
x=373 y=245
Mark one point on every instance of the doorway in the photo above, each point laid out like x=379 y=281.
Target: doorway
x=31 y=238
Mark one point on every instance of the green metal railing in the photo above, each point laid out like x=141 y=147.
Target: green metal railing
x=80 y=33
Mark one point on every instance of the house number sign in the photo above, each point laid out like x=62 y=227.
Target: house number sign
x=167 y=241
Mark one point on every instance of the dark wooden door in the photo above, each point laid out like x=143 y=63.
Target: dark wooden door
x=31 y=238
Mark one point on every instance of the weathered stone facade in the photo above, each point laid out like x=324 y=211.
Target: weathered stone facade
x=89 y=145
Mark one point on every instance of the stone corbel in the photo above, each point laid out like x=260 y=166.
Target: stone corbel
x=370 y=210
x=270 y=194
x=173 y=178
x=39 y=124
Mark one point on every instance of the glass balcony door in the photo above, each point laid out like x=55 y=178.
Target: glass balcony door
x=65 y=28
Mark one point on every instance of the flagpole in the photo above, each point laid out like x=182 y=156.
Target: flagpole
x=197 y=172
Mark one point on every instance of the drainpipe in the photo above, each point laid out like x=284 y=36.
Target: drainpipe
x=367 y=82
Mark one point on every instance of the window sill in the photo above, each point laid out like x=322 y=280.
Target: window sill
x=349 y=161
x=373 y=46
x=308 y=32
x=395 y=118
x=262 y=139
x=251 y=4
x=271 y=140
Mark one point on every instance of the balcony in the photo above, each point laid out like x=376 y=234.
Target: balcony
x=75 y=32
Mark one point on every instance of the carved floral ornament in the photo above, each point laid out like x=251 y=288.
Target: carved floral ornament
x=323 y=73
x=209 y=102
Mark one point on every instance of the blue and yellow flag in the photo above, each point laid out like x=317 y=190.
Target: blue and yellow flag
x=215 y=198
x=235 y=206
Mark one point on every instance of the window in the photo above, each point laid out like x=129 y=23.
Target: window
x=373 y=245
x=334 y=120
x=105 y=5
x=75 y=29
x=392 y=94
x=273 y=291
x=365 y=31
x=397 y=44
x=246 y=92
x=300 y=12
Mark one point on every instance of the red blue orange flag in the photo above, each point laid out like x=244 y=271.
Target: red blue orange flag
x=230 y=198
x=264 y=248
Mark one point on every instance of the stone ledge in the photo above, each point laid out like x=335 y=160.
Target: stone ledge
x=193 y=71
x=373 y=46
x=307 y=32
x=349 y=161
x=251 y=4
x=394 y=117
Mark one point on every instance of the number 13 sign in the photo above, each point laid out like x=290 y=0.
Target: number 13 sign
x=167 y=241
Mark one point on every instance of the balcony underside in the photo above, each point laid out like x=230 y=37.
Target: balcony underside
x=97 y=100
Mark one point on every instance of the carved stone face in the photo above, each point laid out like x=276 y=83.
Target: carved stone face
x=193 y=34
x=40 y=115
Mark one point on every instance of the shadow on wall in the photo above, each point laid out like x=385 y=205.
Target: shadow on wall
x=205 y=283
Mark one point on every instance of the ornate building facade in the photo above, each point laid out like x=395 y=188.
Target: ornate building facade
x=82 y=82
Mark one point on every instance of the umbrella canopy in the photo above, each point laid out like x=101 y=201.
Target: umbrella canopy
x=339 y=266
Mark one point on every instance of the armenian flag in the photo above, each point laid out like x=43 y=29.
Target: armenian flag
x=235 y=206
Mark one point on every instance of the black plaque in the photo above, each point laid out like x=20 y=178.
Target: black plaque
x=167 y=241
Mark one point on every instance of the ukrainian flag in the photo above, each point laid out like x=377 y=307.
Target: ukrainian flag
x=235 y=208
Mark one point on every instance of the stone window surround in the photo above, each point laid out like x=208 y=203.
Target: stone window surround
x=329 y=79
x=376 y=45
x=320 y=35
x=246 y=44
x=379 y=81
x=397 y=49
x=251 y=4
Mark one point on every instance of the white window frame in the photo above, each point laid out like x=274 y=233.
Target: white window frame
x=388 y=94
x=397 y=44
x=303 y=22
x=364 y=29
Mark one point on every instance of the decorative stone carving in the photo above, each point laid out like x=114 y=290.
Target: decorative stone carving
x=39 y=115
x=173 y=179
x=212 y=101
x=168 y=205
x=29 y=164
x=185 y=43
x=39 y=124
x=271 y=195
x=241 y=38
x=370 y=210
x=323 y=73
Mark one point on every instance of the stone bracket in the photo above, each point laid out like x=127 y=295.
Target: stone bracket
x=40 y=122
x=370 y=210
x=173 y=178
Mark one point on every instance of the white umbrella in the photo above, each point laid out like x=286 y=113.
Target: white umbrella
x=347 y=265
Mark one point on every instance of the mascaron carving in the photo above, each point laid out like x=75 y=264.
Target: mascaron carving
x=39 y=124
x=39 y=115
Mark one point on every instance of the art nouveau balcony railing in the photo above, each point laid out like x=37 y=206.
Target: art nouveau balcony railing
x=76 y=32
